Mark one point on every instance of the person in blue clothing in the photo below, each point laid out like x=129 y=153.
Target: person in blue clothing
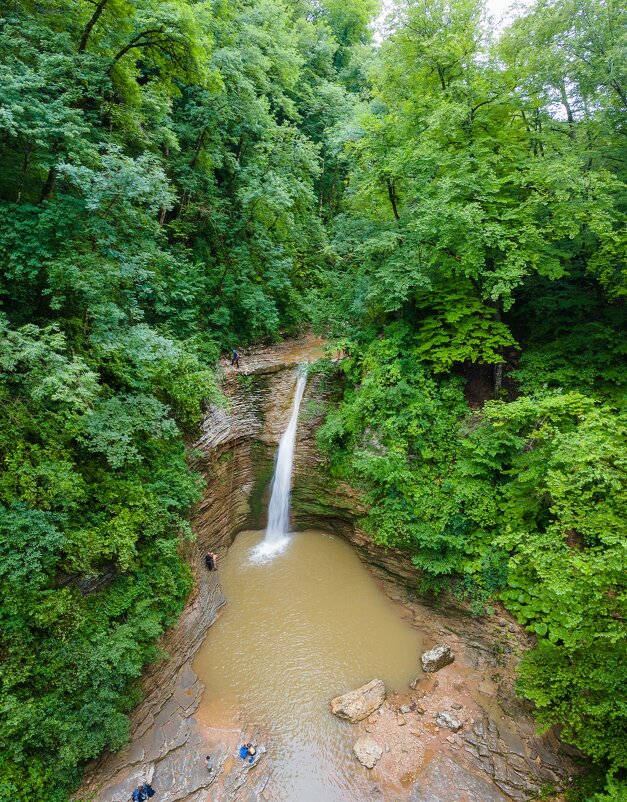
x=235 y=358
x=247 y=751
x=143 y=793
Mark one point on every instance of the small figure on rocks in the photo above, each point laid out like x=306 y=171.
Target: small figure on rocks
x=209 y=763
x=211 y=561
x=247 y=751
x=235 y=358
x=143 y=792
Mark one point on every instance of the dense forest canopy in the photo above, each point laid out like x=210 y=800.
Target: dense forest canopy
x=180 y=177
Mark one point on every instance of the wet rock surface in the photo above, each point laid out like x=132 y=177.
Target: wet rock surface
x=360 y=703
x=513 y=761
x=444 y=780
x=494 y=756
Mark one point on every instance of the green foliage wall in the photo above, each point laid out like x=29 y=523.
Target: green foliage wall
x=478 y=297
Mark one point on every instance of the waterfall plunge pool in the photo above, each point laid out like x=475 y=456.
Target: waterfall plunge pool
x=297 y=631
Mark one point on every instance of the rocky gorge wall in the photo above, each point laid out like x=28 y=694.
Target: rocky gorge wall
x=495 y=755
x=234 y=453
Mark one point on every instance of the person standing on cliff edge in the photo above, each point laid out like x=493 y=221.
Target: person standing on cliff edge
x=211 y=561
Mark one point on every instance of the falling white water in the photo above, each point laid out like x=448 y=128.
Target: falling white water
x=279 y=510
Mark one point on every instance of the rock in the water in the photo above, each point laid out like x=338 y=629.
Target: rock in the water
x=359 y=704
x=405 y=709
x=437 y=658
x=367 y=751
x=448 y=720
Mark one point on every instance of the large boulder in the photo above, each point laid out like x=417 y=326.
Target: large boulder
x=359 y=704
x=437 y=658
x=367 y=751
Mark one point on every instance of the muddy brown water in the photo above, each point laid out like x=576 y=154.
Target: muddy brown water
x=295 y=632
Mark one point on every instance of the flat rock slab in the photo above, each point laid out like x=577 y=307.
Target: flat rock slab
x=367 y=751
x=360 y=703
x=444 y=780
x=437 y=658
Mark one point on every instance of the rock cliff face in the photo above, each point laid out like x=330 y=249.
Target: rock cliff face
x=496 y=749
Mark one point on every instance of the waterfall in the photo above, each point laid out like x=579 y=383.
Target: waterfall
x=279 y=510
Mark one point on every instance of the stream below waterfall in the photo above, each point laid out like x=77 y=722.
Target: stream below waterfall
x=307 y=626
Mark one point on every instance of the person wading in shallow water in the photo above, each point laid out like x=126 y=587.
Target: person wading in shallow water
x=211 y=561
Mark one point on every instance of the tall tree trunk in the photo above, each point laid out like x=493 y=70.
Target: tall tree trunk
x=392 y=197
x=46 y=191
x=333 y=188
x=619 y=90
x=569 y=111
x=498 y=368
x=199 y=141
x=498 y=379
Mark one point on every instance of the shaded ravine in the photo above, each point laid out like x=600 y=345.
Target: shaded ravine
x=496 y=753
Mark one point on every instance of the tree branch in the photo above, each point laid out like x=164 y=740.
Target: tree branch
x=136 y=41
x=94 y=19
